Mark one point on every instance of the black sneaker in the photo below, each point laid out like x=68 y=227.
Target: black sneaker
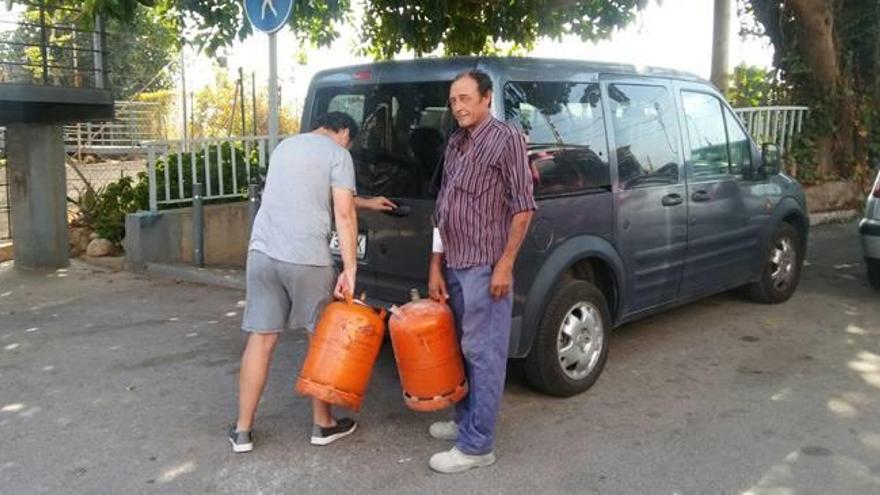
x=325 y=436
x=241 y=440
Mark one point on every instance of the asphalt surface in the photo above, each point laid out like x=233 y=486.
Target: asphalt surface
x=111 y=382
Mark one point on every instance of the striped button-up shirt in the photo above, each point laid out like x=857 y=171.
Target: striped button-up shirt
x=486 y=181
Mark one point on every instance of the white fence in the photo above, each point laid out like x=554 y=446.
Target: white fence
x=773 y=124
x=224 y=167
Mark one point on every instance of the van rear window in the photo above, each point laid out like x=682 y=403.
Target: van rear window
x=404 y=127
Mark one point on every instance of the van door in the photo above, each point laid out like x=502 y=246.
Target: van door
x=398 y=154
x=649 y=189
x=723 y=232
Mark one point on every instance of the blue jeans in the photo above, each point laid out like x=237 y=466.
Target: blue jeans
x=483 y=325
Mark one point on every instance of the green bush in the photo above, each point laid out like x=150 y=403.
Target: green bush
x=243 y=162
x=103 y=210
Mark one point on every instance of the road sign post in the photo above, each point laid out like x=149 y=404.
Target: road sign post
x=269 y=16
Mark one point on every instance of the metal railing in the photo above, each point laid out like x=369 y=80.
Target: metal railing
x=224 y=166
x=41 y=44
x=135 y=122
x=773 y=124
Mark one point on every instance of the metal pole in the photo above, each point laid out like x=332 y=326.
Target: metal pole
x=254 y=102
x=273 y=92
x=192 y=116
x=98 y=46
x=151 y=174
x=183 y=92
x=44 y=43
x=243 y=105
x=198 y=226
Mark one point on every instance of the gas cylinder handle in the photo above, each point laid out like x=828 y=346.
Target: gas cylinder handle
x=414 y=295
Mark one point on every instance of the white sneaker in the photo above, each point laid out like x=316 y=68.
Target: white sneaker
x=455 y=461
x=444 y=430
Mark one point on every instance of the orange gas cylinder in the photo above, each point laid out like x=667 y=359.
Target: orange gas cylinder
x=342 y=353
x=427 y=354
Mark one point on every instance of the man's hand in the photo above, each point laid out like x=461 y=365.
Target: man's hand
x=345 y=285
x=436 y=281
x=502 y=279
x=376 y=203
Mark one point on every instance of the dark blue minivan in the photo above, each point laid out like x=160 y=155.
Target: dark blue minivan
x=651 y=194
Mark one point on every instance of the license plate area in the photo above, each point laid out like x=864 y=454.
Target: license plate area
x=361 y=244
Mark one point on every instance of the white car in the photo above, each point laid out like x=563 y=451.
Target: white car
x=869 y=228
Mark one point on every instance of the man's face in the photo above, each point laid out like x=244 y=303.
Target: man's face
x=468 y=107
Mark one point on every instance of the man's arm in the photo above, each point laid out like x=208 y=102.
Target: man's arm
x=375 y=203
x=518 y=177
x=346 y=227
x=502 y=275
x=436 y=280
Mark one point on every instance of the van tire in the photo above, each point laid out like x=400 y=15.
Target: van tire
x=768 y=289
x=584 y=304
x=873 y=272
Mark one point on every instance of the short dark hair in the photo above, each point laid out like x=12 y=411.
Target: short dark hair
x=484 y=82
x=337 y=121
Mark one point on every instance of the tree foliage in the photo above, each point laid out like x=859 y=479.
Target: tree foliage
x=141 y=49
x=390 y=26
x=463 y=27
x=752 y=86
x=213 y=111
x=828 y=54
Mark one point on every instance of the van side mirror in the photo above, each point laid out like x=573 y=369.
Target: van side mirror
x=770 y=160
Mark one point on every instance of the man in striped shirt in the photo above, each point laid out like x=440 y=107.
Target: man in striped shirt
x=482 y=215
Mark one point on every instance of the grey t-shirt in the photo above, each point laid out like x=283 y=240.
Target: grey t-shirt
x=293 y=223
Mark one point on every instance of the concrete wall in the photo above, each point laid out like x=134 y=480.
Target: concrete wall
x=166 y=236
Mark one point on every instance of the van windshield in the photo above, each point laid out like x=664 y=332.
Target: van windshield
x=404 y=127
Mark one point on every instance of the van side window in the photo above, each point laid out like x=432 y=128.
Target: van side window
x=565 y=133
x=708 y=154
x=404 y=126
x=646 y=134
x=740 y=144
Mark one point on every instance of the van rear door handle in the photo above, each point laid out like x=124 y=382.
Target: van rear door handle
x=400 y=211
x=672 y=200
x=700 y=196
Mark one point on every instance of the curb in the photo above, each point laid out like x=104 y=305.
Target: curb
x=826 y=217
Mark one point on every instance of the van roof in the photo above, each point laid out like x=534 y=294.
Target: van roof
x=427 y=69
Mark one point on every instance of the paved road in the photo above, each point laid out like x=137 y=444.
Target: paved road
x=114 y=383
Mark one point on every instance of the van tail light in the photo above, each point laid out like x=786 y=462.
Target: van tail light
x=876 y=192
x=363 y=75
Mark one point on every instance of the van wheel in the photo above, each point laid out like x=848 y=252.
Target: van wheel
x=571 y=346
x=873 y=272
x=782 y=270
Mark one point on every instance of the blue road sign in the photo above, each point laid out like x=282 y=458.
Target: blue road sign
x=268 y=15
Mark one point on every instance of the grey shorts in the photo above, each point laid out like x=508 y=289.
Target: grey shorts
x=283 y=295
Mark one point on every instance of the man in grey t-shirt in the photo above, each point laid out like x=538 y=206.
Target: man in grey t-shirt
x=290 y=272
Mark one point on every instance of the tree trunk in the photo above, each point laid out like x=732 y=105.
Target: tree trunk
x=819 y=52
